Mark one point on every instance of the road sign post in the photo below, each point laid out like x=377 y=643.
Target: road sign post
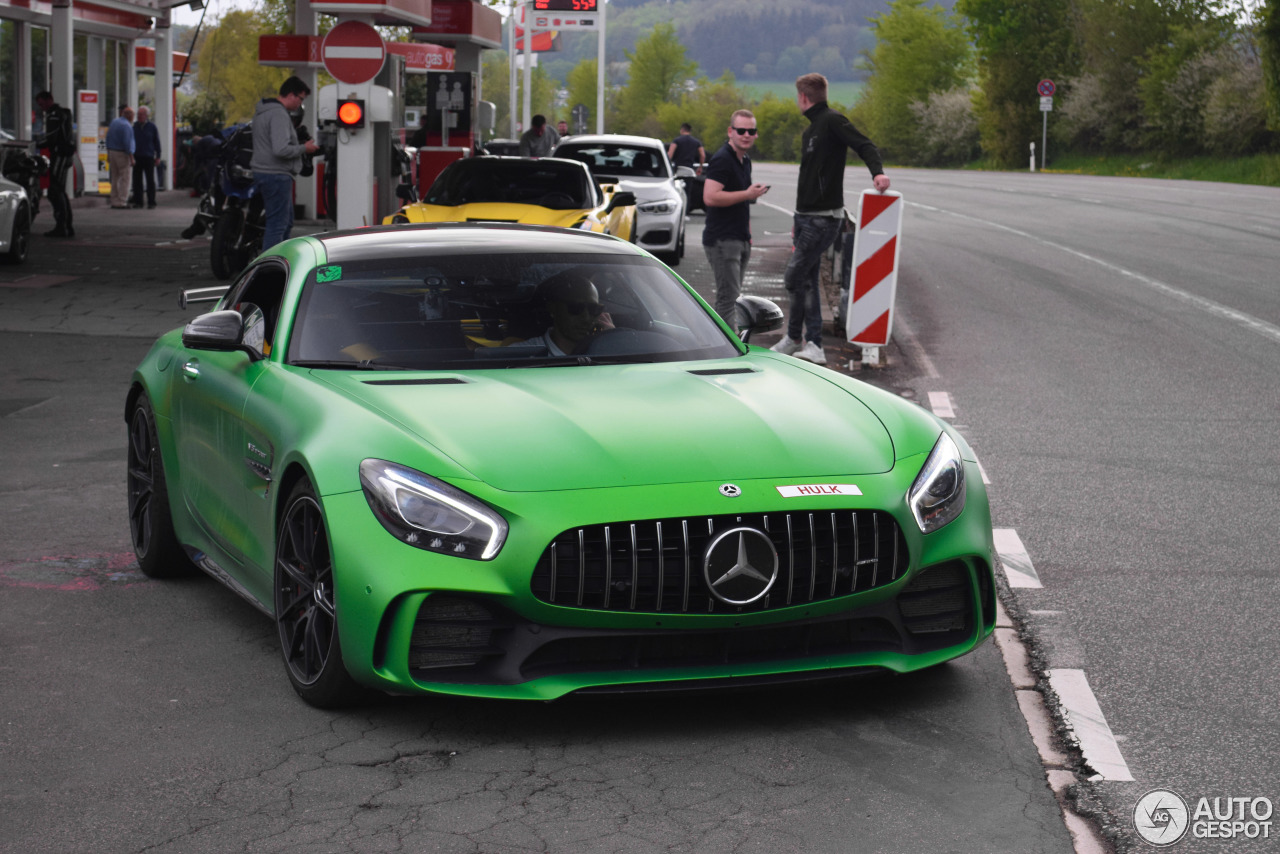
x=869 y=313
x=1046 y=89
x=353 y=53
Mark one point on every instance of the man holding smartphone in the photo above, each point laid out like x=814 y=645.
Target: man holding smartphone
x=728 y=191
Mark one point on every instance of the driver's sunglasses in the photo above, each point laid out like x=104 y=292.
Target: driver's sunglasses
x=594 y=309
x=747 y=131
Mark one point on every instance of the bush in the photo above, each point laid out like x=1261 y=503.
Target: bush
x=946 y=129
x=1235 y=110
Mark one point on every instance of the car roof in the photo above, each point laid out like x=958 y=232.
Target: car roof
x=425 y=239
x=615 y=139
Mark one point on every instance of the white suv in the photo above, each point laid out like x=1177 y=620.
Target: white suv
x=639 y=164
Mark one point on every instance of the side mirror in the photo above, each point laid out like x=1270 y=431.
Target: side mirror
x=685 y=172
x=224 y=331
x=405 y=193
x=756 y=314
x=621 y=199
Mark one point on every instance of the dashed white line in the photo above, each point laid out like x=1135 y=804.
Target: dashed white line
x=940 y=403
x=1084 y=716
x=1018 y=569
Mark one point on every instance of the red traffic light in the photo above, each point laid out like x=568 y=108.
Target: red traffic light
x=351 y=113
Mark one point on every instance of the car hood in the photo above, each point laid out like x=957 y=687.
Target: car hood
x=583 y=427
x=497 y=212
x=651 y=188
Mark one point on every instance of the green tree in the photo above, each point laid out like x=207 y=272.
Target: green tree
x=1268 y=29
x=227 y=68
x=920 y=50
x=1175 y=87
x=583 y=89
x=1018 y=43
x=658 y=71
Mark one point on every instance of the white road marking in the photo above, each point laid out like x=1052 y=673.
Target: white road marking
x=940 y=403
x=1018 y=569
x=1247 y=321
x=982 y=471
x=1089 y=726
x=907 y=339
x=786 y=211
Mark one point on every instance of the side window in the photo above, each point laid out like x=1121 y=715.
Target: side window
x=261 y=287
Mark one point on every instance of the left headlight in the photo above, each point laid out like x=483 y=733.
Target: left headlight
x=430 y=514
x=660 y=206
x=937 y=496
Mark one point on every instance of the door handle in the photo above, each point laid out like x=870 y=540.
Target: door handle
x=191 y=370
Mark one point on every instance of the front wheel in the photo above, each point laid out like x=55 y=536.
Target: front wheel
x=306 y=604
x=155 y=544
x=224 y=252
x=20 y=240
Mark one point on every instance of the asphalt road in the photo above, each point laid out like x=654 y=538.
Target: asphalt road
x=1109 y=348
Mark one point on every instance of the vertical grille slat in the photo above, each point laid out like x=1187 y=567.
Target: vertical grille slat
x=647 y=569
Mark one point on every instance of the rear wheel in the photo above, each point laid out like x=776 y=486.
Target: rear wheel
x=224 y=254
x=156 y=546
x=306 y=605
x=20 y=240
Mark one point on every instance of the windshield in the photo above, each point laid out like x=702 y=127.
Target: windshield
x=470 y=312
x=619 y=161
x=561 y=186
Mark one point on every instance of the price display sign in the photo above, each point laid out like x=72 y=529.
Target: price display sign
x=566 y=5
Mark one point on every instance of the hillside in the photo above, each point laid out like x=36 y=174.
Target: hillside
x=754 y=39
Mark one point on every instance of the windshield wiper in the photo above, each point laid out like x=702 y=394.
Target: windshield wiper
x=346 y=366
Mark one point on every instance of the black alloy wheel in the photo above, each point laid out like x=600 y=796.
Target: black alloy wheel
x=155 y=544
x=305 y=604
x=20 y=240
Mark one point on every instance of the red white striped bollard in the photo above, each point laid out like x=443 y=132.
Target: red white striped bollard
x=869 y=315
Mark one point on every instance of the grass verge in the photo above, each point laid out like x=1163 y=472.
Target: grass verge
x=1262 y=169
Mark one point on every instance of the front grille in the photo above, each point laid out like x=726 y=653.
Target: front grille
x=656 y=566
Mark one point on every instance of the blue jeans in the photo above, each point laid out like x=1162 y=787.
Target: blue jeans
x=813 y=235
x=277 y=205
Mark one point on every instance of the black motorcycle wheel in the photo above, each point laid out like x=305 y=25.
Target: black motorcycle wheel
x=20 y=240
x=225 y=257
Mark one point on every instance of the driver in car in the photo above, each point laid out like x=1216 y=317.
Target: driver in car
x=576 y=313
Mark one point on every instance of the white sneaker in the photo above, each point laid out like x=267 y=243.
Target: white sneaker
x=811 y=352
x=786 y=346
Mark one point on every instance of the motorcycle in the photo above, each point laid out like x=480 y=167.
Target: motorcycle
x=25 y=168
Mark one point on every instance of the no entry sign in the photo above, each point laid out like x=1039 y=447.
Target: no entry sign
x=353 y=52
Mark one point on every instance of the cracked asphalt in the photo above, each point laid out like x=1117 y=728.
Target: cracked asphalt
x=145 y=716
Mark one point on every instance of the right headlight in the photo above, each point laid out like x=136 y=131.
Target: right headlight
x=430 y=514
x=937 y=496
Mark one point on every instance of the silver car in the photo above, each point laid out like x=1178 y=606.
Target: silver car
x=639 y=164
x=15 y=220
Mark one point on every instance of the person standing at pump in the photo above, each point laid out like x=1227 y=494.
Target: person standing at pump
x=59 y=137
x=120 y=147
x=277 y=157
x=728 y=194
x=819 y=211
x=539 y=140
x=146 y=153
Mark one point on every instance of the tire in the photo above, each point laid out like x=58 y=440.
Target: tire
x=155 y=545
x=224 y=257
x=20 y=240
x=306 y=607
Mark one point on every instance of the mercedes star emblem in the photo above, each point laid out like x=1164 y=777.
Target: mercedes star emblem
x=730 y=490
x=740 y=566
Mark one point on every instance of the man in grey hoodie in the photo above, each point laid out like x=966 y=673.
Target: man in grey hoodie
x=277 y=157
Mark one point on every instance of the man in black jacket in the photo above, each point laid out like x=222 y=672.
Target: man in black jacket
x=819 y=211
x=59 y=137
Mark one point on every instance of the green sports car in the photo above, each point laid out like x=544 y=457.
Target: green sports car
x=519 y=462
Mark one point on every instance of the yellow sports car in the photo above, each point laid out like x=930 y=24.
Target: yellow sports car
x=545 y=191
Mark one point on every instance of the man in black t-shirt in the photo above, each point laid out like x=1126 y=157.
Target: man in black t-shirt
x=727 y=236
x=686 y=150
